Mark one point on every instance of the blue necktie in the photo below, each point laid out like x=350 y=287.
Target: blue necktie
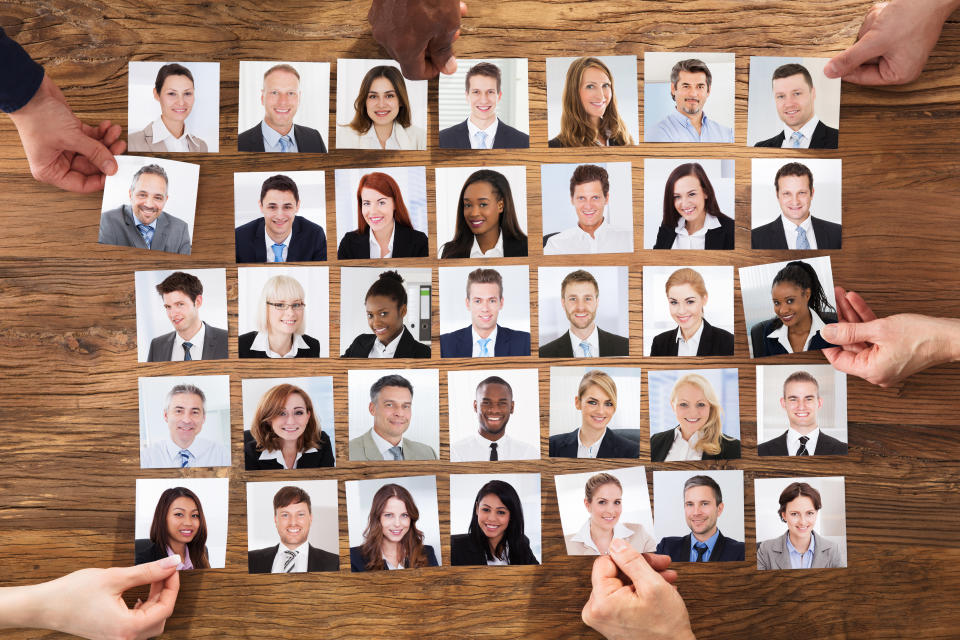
x=802 y=242
x=278 y=252
x=396 y=452
x=482 y=137
x=795 y=139
x=701 y=549
x=484 y=352
x=186 y=351
x=285 y=144
x=146 y=232
x=586 y=349
x=184 y=458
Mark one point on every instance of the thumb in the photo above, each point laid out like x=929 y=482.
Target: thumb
x=631 y=562
x=845 y=62
x=98 y=155
x=842 y=333
x=148 y=573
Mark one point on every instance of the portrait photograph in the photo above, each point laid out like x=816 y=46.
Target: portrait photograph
x=688 y=204
x=456 y=310
x=791 y=95
x=795 y=203
x=393 y=523
x=186 y=517
x=481 y=212
x=688 y=96
x=597 y=506
x=688 y=311
x=282 y=99
x=479 y=95
x=283 y=312
x=801 y=523
x=149 y=203
x=488 y=406
x=588 y=208
x=292 y=527
x=377 y=108
x=608 y=310
x=191 y=299
x=495 y=519
x=785 y=304
x=173 y=107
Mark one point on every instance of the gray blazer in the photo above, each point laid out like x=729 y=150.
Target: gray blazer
x=364 y=448
x=214 y=345
x=117 y=228
x=143 y=141
x=773 y=554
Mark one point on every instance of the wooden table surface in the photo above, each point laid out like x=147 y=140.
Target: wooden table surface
x=68 y=341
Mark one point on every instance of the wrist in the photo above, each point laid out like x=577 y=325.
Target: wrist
x=951 y=339
x=22 y=607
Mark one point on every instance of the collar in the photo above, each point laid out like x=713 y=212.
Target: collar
x=268 y=241
x=583 y=535
x=371 y=141
x=595 y=444
x=161 y=133
x=185 y=562
x=711 y=222
x=375 y=246
x=678 y=437
x=790 y=227
x=387 y=350
x=710 y=542
x=593 y=339
x=491 y=131
x=600 y=231
x=495 y=252
x=793 y=439
x=303 y=549
x=780 y=334
x=693 y=340
x=684 y=121
x=810 y=549
x=198 y=335
x=806 y=130
x=492 y=337
x=272 y=136
x=261 y=343
x=277 y=455
x=152 y=225
x=383 y=445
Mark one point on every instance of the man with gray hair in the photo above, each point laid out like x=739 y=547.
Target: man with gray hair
x=143 y=223
x=391 y=405
x=184 y=412
x=690 y=82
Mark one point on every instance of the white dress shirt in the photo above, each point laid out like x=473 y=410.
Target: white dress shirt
x=496 y=251
x=299 y=563
x=816 y=324
x=683 y=449
x=584 y=451
x=593 y=339
x=380 y=350
x=806 y=130
x=691 y=346
x=285 y=242
x=262 y=343
x=383 y=446
x=790 y=230
x=162 y=134
x=491 y=132
x=277 y=455
x=583 y=535
x=165 y=454
x=476 y=448
x=490 y=345
x=697 y=239
x=606 y=239
x=196 y=350
x=793 y=441
x=375 y=246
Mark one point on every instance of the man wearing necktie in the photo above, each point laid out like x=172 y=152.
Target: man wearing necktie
x=483 y=129
x=192 y=338
x=277 y=132
x=185 y=413
x=493 y=405
x=280 y=234
x=580 y=297
x=702 y=507
x=292 y=515
x=801 y=401
x=391 y=405
x=796 y=228
x=484 y=338
x=794 y=97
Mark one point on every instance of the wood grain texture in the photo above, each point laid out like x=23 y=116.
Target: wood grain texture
x=68 y=332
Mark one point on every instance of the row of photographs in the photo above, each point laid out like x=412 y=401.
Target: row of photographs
x=493 y=415
x=284 y=106
x=285 y=311
x=481 y=212
x=495 y=519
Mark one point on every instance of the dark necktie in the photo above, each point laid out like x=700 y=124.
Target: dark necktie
x=493 y=451
x=701 y=549
x=802 y=451
x=186 y=351
x=288 y=562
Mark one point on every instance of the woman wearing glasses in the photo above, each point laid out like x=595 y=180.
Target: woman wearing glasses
x=280 y=324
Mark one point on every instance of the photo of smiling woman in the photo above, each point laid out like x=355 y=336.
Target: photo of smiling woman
x=699 y=432
x=590 y=116
x=487 y=225
x=383 y=228
x=386 y=306
x=175 y=93
x=285 y=433
x=280 y=323
x=596 y=400
x=692 y=218
x=693 y=336
x=800 y=547
x=496 y=533
x=603 y=499
x=178 y=528
x=382 y=114
x=391 y=539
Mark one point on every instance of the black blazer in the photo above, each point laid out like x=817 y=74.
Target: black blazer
x=458 y=137
x=245 y=341
x=322 y=457
x=359 y=563
x=610 y=345
x=771 y=236
x=678 y=548
x=309 y=242
x=408 y=347
x=512 y=248
x=510 y=342
x=660 y=444
x=554 y=143
x=826 y=446
x=764 y=346
x=823 y=137
x=261 y=560
x=713 y=342
x=721 y=238
x=564 y=445
x=465 y=552
x=147 y=550
x=407 y=243
x=308 y=140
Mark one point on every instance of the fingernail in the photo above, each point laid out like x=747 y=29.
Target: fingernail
x=618 y=545
x=829 y=331
x=170 y=561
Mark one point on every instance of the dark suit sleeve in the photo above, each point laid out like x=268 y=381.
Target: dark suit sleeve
x=665 y=238
x=326 y=451
x=356 y=348
x=21 y=76
x=320 y=246
x=661 y=344
x=153 y=355
x=555 y=143
x=420 y=246
x=758 y=339
x=431 y=556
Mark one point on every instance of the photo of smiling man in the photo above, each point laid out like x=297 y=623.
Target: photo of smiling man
x=796 y=228
x=806 y=104
x=691 y=81
x=815 y=419
x=482 y=434
x=176 y=442
x=484 y=128
x=604 y=214
x=281 y=92
x=486 y=308
x=293 y=519
x=580 y=336
x=396 y=421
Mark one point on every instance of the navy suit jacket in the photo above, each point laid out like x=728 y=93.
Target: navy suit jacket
x=459 y=343
x=308 y=140
x=359 y=563
x=564 y=445
x=458 y=137
x=764 y=346
x=826 y=446
x=678 y=548
x=713 y=342
x=610 y=345
x=719 y=238
x=771 y=236
x=408 y=347
x=823 y=137
x=407 y=243
x=261 y=560
x=308 y=244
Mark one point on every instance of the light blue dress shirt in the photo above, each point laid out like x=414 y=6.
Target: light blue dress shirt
x=271 y=139
x=676 y=127
x=710 y=542
x=801 y=560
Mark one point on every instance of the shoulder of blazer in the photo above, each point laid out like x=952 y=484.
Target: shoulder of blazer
x=142 y=140
x=321 y=560
x=830 y=233
x=619 y=345
x=727 y=549
x=464 y=552
x=251 y=457
x=824 y=137
x=758 y=336
x=774 y=447
x=616 y=446
x=408 y=243
x=251 y=139
x=517 y=342
x=246 y=237
x=730 y=449
x=775 y=141
x=554 y=143
x=722 y=238
x=452 y=344
x=559 y=348
x=244 y=343
x=828 y=445
x=665 y=237
x=513 y=247
x=360 y=347
x=357 y=561
x=660 y=445
x=410 y=347
x=768 y=236
x=563 y=445
x=716 y=341
x=510 y=138
x=665 y=344
x=309 y=139
x=312 y=350
x=455 y=137
x=260 y=560
x=354 y=245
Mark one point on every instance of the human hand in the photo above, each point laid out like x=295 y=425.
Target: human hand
x=419 y=34
x=645 y=606
x=61 y=150
x=894 y=42
x=885 y=351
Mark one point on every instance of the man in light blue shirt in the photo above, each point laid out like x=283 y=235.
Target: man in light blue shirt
x=185 y=413
x=690 y=82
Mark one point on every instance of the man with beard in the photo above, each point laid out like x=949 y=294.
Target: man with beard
x=143 y=223
x=690 y=82
x=580 y=295
x=292 y=515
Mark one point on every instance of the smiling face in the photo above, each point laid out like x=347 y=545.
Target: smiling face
x=183 y=520
x=383 y=105
x=376 y=209
x=292 y=420
x=686 y=306
x=483 y=97
x=794 y=194
x=175 y=98
x=691 y=407
x=384 y=317
x=182 y=312
x=701 y=511
x=394 y=520
x=790 y=303
x=293 y=524
x=690 y=92
x=580 y=300
x=596 y=408
x=589 y=202
x=801 y=400
x=493 y=405
x=148 y=197
x=690 y=201
x=184 y=416
x=794 y=99
x=596 y=91
x=279 y=208
x=482 y=208
x=280 y=99
x=391 y=413
x=801 y=517
x=605 y=507
x=285 y=321
x=484 y=305
x=493 y=518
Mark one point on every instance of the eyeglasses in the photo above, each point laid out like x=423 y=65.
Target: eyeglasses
x=283 y=306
